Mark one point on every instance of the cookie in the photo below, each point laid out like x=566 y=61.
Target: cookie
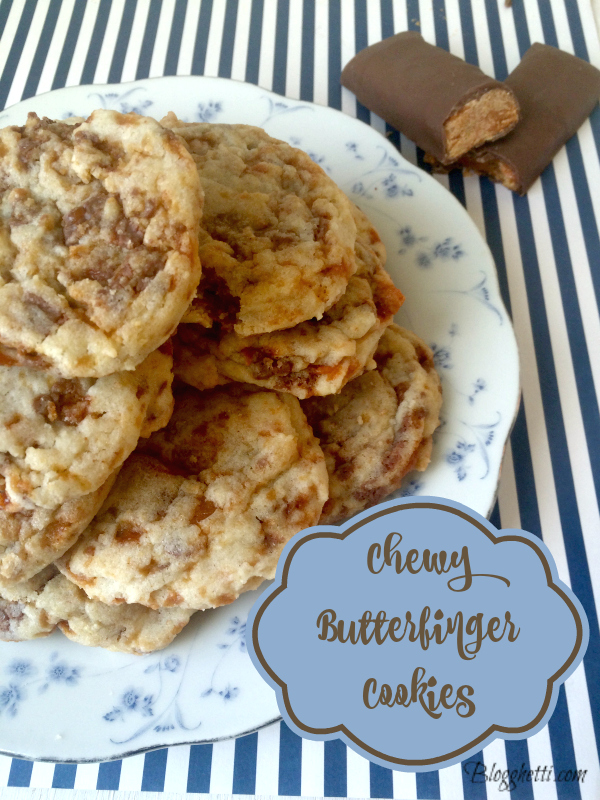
x=98 y=241
x=20 y=616
x=36 y=607
x=379 y=428
x=202 y=510
x=61 y=438
x=313 y=358
x=33 y=537
x=121 y=628
x=277 y=239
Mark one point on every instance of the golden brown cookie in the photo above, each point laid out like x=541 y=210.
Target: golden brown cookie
x=35 y=607
x=61 y=438
x=379 y=427
x=203 y=509
x=32 y=537
x=313 y=358
x=277 y=239
x=98 y=241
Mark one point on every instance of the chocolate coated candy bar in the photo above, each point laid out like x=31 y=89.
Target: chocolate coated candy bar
x=556 y=92
x=439 y=101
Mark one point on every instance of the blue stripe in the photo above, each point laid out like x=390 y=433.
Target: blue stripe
x=254 y=40
x=493 y=235
x=155 y=766
x=547 y=24
x=281 y=42
x=145 y=59
x=334 y=56
x=361 y=41
x=66 y=56
x=307 y=70
x=116 y=68
x=495 y=516
x=41 y=51
x=468 y=31
x=473 y=777
x=517 y=763
x=561 y=743
x=227 y=42
x=20 y=772
x=199 y=768
x=174 y=46
x=387 y=19
x=521 y=28
x=335 y=769
x=290 y=762
x=64 y=776
x=413 y=15
x=524 y=477
x=109 y=775
x=199 y=56
x=16 y=50
x=5 y=9
x=498 y=56
x=91 y=61
x=381 y=781
x=428 y=786
x=244 y=766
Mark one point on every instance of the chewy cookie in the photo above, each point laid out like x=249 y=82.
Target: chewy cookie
x=98 y=241
x=35 y=607
x=277 y=238
x=32 y=537
x=202 y=511
x=61 y=438
x=317 y=357
x=379 y=427
x=20 y=616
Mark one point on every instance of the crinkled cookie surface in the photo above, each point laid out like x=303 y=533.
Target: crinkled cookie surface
x=380 y=427
x=317 y=357
x=35 y=607
x=277 y=239
x=32 y=537
x=203 y=510
x=98 y=241
x=61 y=438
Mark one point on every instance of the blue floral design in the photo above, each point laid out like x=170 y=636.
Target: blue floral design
x=411 y=488
x=278 y=107
x=442 y=357
x=385 y=175
x=122 y=101
x=21 y=669
x=207 y=112
x=458 y=457
x=10 y=696
x=352 y=147
x=481 y=294
x=131 y=700
x=479 y=386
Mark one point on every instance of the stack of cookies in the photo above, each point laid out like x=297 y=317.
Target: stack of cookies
x=128 y=502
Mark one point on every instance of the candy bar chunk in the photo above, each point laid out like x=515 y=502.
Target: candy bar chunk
x=445 y=105
x=556 y=92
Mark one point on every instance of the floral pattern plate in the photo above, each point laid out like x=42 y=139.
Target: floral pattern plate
x=63 y=702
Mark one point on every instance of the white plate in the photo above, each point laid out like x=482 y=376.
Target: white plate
x=64 y=702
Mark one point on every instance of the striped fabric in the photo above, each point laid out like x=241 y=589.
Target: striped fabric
x=547 y=249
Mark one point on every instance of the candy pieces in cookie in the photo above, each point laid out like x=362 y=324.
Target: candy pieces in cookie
x=379 y=428
x=98 y=241
x=203 y=509
x=277 y=239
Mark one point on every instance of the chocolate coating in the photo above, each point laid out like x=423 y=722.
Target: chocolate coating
x=416 y=87
x=557 y=92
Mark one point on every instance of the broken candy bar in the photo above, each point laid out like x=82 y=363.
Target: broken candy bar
x=438 y=100
x=556 y=92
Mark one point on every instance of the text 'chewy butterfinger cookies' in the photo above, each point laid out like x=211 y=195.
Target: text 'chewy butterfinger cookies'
x=202 y=511
x=98 y=241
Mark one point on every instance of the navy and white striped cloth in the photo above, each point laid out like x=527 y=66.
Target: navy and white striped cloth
x=547 y=250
